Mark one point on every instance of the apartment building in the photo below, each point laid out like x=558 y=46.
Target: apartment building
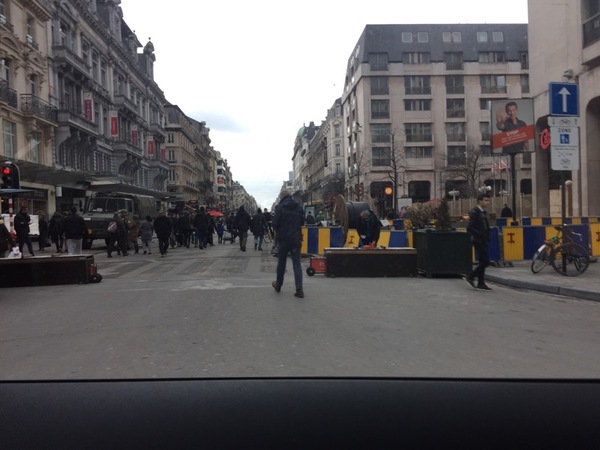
x=564 y=39
x=110 y=111
x=324 y=169
x=27 y=113
x=223 y=194
x=191 y=159
x=416 y=108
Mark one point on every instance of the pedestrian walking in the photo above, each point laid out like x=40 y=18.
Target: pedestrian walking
x=310 y=219
x=75 y=230
x=259 y=226
x=220 y=230
x=43 y=231
x=117 y=236
x=287 y=222
x=55 y=230
x=242 y=224
x=479 y=230
x=133 y=233
x=201 y=223
x=21 y=223
x=146 y=232
x=163 y=229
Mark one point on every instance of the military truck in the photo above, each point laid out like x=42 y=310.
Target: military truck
x=101 y=207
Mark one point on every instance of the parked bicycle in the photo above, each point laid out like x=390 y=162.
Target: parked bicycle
x=565 y=255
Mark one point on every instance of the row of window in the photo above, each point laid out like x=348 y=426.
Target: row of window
x=455 y=84
x=97 y=67
x=455 y=107
x=9 y=139
x=422 y=132
x=453 y=60
x=422 y=37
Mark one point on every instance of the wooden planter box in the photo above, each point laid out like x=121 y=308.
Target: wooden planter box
x=443 y=252
x=378 y=262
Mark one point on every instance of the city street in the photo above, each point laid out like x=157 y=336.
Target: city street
x=213 y=313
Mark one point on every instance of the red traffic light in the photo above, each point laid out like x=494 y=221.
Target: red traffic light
x=10 y=176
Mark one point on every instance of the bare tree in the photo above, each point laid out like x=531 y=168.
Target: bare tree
x=467 y=167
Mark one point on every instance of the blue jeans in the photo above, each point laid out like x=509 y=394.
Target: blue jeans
x=282 y=252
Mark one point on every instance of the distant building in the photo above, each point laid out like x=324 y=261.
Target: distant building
x=415 y=104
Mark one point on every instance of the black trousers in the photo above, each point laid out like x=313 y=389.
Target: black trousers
x=484 y=261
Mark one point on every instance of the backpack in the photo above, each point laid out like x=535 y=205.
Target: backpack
x=112 y=227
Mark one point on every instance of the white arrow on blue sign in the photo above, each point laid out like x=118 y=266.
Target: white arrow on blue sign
x=564 y=99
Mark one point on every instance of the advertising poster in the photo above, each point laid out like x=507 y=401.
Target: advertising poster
x=512 y=126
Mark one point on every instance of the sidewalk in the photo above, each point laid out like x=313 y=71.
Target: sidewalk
x=585 y=286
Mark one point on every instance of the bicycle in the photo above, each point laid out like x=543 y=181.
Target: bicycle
x=565 y=255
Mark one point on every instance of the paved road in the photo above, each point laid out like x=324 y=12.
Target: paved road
x=213 y=313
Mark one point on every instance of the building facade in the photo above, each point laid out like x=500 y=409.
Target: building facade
x=81 y=112
x=28 y=111
x=565 y=47
x=416 y=107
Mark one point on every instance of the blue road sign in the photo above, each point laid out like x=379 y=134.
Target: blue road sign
x=564 y=99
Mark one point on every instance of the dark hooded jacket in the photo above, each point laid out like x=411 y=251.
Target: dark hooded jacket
x=288 y=221
x=242 y=220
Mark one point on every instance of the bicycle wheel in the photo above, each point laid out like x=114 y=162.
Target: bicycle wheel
x=540 y=259
x=571 y=259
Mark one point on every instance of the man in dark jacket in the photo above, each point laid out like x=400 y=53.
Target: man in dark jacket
x=259 y=226
x=75 y=230
x=287 y=222
x=479 y=230
x=163 y=228
x=21 y=224
x=242 y=224
x=201 y=224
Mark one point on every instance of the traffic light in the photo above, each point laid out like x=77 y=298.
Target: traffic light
x=10 y=176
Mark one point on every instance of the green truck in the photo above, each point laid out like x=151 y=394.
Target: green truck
x=101 y=207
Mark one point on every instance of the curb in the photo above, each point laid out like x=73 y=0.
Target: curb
x=546 y=288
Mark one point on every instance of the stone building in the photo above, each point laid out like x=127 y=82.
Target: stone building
x=416 y=105
x=28 y=109
x=190 y=156
x=564 y=39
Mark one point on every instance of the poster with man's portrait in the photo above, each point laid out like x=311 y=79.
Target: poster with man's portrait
x=512 y=126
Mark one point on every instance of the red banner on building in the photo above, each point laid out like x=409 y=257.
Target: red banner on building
x=114 y=124
x=163 y=153
x=150 y=147
x=88 y=108
x=134 y=136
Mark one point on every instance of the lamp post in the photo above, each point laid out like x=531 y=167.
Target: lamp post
x=454 y=193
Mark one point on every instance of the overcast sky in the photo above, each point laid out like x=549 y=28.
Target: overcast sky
x=256 y=71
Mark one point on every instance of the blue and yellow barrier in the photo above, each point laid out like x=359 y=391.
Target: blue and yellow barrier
x=509 y=243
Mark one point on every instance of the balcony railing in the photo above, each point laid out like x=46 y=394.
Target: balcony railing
x=456 y=137
x=417 y=90
x=8 y=95
x=38 y=107
x=455 y=89
x=493 y=89
x=455 y=65
x=426 y=137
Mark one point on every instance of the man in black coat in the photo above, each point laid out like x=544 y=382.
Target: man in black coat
x=287 y=222
x=75 y=230
x=242 y=224
x=479 y=230
x=21 y=224
x=163 y=228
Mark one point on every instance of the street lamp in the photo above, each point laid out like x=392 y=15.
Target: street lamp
x=454 y=193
